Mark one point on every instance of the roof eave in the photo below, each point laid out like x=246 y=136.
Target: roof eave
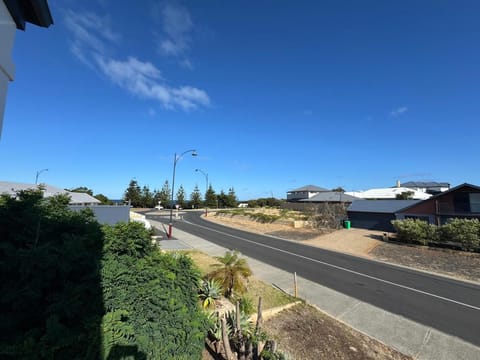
x=35 y=12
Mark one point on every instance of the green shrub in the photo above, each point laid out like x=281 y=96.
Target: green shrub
x=50 y=287
x=463 y=231
x=414 y=230
x=150 y=299
x=246 y=305
x=131 y=239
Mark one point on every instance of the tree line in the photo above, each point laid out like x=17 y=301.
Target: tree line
x=142 y=196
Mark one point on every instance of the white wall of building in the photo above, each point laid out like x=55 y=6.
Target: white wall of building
x=7 y=68
x=107 y=214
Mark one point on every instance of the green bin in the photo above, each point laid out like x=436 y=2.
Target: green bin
x=346 y=224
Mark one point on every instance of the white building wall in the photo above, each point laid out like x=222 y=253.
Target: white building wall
x=107 y=214
x=7 y=68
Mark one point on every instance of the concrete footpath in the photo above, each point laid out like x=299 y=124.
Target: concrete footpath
x=410 y=338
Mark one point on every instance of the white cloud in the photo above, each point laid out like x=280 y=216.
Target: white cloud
x=144 y=80
x=399 y=111
x=177 y=25
x=92 y=39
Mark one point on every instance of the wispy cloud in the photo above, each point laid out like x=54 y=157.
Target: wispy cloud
x=399 y=111
x=92 y=43
x=177 y=26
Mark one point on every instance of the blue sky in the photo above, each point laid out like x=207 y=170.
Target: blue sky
x=273 y=95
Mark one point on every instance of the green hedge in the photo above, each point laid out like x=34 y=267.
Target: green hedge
x=463 y=232
x=51 y=303
x=64 y=295
x=150 y=299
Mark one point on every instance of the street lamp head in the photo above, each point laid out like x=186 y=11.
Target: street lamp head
x=194 y=153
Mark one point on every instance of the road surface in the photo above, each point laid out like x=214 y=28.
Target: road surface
x=447 y=305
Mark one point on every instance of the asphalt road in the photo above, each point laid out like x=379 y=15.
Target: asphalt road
x=447 y=305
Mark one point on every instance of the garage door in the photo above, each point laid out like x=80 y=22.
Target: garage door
x=371 y=221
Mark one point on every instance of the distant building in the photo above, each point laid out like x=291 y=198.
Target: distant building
x=376 y=214
x=304 y=192
x=105 y=214
x=429 y=187
x=462 y=202
x=11 y=188
x=388 y=193
x=331 y=197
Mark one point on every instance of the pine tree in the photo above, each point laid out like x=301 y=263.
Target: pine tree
x=211 y=198
x=222 y=199
x=133 y=193
x=181 y=196
x=231 y=198
x=196 y=198
x=147 y=198
x=165 y=195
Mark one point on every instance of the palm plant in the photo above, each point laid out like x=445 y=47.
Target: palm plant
x=232 y=273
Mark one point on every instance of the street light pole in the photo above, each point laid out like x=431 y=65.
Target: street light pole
x=206 y=189
x=175 y=159
x=38 y=174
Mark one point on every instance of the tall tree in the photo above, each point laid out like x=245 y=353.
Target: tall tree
x=104 y=200
x=196 y=198
x=222 y=199
x=210 y=198
x=231 y=198
x=147 y=198
x=165 y=195
x=133 y=193
x=181 y=196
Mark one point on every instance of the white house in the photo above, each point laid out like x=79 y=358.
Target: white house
x=388 y=193
x=11 y=188
x=304 y=192
x=105 y=214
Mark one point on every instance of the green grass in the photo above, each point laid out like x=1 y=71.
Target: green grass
x=271 y=297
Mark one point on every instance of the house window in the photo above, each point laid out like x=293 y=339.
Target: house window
x=475 y=202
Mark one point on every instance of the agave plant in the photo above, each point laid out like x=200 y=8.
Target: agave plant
x=209 y=291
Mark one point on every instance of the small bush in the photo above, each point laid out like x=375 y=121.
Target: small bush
x=414 y=230
x=264 y=218
x=246 y=306
x=466 y=232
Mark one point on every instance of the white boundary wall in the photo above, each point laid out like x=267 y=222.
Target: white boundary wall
x=107 y=214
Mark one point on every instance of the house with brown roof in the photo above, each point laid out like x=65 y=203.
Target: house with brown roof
x=462 y=201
